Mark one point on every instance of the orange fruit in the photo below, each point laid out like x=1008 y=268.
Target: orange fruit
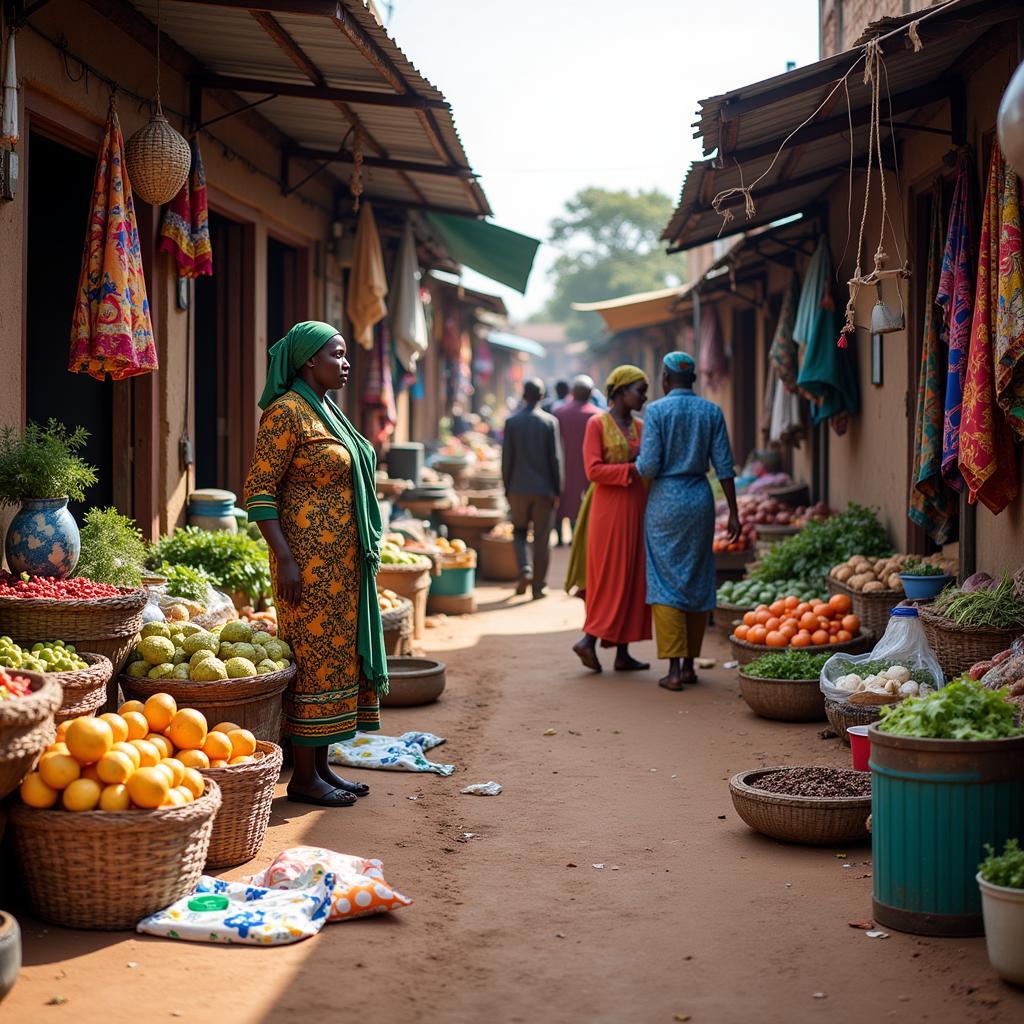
x=131 y=750
x=840 y=604
x=36 y=793
x=167 y=771
x=761 y=618
x=57 y=748
x=118 y=726
x=789 y=629
x=138 y=727
x=834 y=627
x=173 y=799
x=749 y=620
x=242 y=759
x=187 y=730
x=218 y=763
x=800 y=640
x=115 y=798
x=777 y=607
x=218 y=745
x=193 y=782
x=757 y=635
x=88 y=739
x=851 y=624
x=62 y=730
x=114 y=767
x=808 y=621
x=844 y=637
x=159 y=710
x=802 y=608
x=148 y=787
x=242 y=742
x=790 y=603
x=226 y=727
x=821 y=608
x=833 y=639
x=176 y=767
x=162 y=743
x=89 y=772
x=82 y=795
x=776 y=639
x=58 y=771
x=149 y=753
x=131 y=705
x=741 y=633
x=773 y=623
x=193 y=759
x=819 y=638
x=185 y=792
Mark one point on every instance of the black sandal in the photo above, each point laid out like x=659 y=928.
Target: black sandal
x=336 y=798
x=355 y=788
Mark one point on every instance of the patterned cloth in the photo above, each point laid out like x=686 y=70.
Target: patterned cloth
x=713 y=365
x=988 y=460
x=783 y=353
x=956 y=296
x=185 y=228
x=379 y=391
x=1009 y=339
x=302 y=468
x=683 y=435
x=111 y=330
x=403 y=753
x=933 y=506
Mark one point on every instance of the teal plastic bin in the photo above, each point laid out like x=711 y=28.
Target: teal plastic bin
x=453 y=583
x=935 y=804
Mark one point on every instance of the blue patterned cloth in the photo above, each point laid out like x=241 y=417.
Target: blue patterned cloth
x=683 y=436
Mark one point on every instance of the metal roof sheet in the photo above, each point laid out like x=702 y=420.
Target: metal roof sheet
x=744 y=128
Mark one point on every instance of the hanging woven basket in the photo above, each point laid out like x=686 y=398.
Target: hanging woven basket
x=158 y=160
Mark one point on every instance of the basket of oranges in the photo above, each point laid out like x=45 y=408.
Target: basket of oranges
x=115 y=822
x=790 y=622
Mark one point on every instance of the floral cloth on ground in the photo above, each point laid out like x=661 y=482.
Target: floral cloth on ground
x=358 y=885
x=403 y=753
x=256 y=915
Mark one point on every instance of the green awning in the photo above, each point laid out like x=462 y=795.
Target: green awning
x=502 y=255
x=514 y=341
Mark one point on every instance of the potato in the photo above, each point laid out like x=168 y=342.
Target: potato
x=894 y=582
x=844 y=573
x=873 y=587
x=858 y=581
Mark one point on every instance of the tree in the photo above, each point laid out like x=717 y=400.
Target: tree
x=609 y=247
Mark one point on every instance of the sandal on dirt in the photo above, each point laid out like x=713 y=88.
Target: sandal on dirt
x=355 y=788
x=336 y=798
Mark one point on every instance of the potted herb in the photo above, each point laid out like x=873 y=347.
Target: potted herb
x=1001 y=880
x=113 y=550
x=922 y=581
x=41 y=471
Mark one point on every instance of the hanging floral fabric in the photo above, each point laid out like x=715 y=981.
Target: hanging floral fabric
x=987 y=456
x=111 y=330
x=367 y=285
x=933 y=505
x=712 y=363
x=783 y=352
x=185 y=227
x=1009 y=339
x=956 y=296
x=378 y=391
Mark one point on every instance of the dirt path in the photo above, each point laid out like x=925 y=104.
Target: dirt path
x=692 y=914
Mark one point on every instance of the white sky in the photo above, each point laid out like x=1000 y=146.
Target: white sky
x=550 y=96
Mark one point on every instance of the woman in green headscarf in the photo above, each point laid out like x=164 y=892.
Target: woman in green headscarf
x=311 y=491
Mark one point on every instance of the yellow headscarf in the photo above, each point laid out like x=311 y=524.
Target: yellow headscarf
x=622 y=377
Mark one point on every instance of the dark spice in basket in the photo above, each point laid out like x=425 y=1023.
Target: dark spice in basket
x=815 y=781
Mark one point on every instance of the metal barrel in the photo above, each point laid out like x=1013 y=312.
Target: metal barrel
x=935 y=804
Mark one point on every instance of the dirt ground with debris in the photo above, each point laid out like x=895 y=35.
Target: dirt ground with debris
x=610 y=882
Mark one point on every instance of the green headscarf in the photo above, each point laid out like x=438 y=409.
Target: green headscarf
x=287 y=357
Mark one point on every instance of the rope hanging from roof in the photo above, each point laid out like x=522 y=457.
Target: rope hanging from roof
x=356 y=181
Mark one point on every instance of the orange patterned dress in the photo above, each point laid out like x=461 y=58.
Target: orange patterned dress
x=300 y=469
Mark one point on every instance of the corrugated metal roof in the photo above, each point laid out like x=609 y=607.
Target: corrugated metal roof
x=745 y=127
x=230 y=41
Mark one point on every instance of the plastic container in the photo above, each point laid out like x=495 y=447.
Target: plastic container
x=453 y=583
x=1003 y=910
x=860 y=747
x=924 y=588
x=405 y=461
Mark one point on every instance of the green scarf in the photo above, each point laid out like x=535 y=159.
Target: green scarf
x=287 y=357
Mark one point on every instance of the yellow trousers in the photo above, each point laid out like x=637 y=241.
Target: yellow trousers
x=679 y=634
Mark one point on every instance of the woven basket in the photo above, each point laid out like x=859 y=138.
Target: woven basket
x=247 y=792
x=254 y=703
x=106 y=625
x=726 y=618
x=26 y=728
x=103 y=870
x=784 y=700
x=85 y=690
x=815 y=821
x=498 y=560
x=413 y=582
x=157 y=160
x=957 y=648
x=842 y=715
x=492 y=499
x=485 y=519
x=398 y=628
x=745 y=652
x=873 y=610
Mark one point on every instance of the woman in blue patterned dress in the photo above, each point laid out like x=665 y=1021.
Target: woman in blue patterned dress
x=683 y=436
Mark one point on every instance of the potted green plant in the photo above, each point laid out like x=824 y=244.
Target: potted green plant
x=922 y=581
x=1001 y=880
x=41 y=471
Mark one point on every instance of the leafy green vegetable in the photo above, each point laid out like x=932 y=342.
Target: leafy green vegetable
x=999 y=608
x=1005 y=869
x=184 y=581
x=233 y=561
x=916 y=568
x=40 y=462
x=113 y=550
x=963 y=710
x=789 y=664
x=821 y=544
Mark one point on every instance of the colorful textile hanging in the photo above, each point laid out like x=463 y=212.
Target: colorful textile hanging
x=1009 y=339
x=783 y=352
x=378 y=391
x=956 y=296
x=712 y=364
x=987 y=456
x=367 y=284
x=185 y=227
x=111 y=330
x=933 y=505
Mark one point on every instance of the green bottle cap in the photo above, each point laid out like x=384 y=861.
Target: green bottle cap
x=208 y=903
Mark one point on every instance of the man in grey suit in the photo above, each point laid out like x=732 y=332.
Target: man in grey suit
x=531 y=466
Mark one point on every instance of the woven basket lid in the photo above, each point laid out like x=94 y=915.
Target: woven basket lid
x=158 y=160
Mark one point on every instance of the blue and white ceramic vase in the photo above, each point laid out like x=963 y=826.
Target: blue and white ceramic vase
x=43 y=538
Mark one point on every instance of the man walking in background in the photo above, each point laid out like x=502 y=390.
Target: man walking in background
x=558 y=399
x=531 y=467
x=572 y=421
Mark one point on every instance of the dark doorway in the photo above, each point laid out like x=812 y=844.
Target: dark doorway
x=59 y=196
x=744 y=383
x=283 y=274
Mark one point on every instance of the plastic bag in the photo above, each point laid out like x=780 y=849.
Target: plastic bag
x=903 y=644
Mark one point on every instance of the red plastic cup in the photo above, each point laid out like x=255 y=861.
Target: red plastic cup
x=860 y=747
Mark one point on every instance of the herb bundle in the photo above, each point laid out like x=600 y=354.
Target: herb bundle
x=42 y=462
x=113 y=550
x=998 y=608
x=788 y=664
x=1007 y=868
x=184 y=581
x=233 y=561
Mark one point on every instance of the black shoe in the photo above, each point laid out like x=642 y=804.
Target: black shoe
x=539 y=592
x=523 y=584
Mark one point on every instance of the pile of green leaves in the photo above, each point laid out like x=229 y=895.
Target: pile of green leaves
x=233 y=561
x=113 y=550
x=788 y=664
x=821 y=544
x=41 y=462
x=184 y=581
x=916 y=568
x=963 y=710
x=1005 y=869
x=999 y=608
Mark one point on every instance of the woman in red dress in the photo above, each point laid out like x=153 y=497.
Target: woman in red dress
x=607 y=564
